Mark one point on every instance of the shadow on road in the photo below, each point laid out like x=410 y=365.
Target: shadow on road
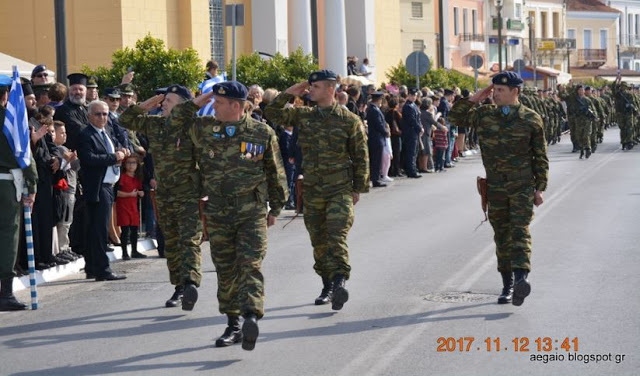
x=126 y=365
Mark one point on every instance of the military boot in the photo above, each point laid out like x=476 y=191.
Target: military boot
x=8 y=301
x=521 y=288
x=581 y=153
x=232 y=334
x=326 y=293
x=507 y=288
x=189 y=297
x=250 y=332
x=587 y=153
x=176 y=298
x=340 y=294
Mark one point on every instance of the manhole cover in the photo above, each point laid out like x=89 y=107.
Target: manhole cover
x=459 y=297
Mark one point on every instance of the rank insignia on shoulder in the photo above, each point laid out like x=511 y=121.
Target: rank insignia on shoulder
x=216 y=128
x=211 y=154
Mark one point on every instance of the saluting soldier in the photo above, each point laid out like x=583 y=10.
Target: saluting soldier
x=241 y=170
x=177 y=191
x=514 y=154
x=336 y=171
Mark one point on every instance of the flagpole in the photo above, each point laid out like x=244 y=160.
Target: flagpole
x=30 y=254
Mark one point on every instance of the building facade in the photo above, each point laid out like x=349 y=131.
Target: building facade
x=96 y=28
x=627 y=32
x=595 y=28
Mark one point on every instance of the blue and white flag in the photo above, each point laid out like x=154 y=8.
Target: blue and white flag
x=206 y=87
x=16 y=125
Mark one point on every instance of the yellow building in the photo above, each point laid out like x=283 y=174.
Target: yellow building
x=594 y=26
x=96 y=28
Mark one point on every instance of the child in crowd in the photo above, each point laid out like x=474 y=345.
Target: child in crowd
x=129 y=188
x=440 y=143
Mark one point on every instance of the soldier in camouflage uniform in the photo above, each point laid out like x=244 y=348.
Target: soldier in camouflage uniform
x=241 y=169
x=514 y=154
x=176 y=165
x=336 y=171
x=626 y=112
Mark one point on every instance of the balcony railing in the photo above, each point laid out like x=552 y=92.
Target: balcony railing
x=592 y=55
x=471 y=37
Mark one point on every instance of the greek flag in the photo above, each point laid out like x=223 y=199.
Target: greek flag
x=16 y=126
x=206 y=87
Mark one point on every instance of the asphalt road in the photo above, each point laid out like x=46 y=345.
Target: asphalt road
x=423 y=280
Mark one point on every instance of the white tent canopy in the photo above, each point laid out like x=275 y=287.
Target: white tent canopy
x=7 y=62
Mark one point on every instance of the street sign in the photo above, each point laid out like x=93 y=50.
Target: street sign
x=476 y=61
x=229 y=16
x=546 y=45
x=417 y=63
x=519 y=65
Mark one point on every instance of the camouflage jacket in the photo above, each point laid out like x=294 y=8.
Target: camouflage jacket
x=334 y=146
x=511 y=143
x=175 y=157
x=238 y=160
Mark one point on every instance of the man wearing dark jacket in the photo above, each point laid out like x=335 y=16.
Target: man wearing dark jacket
x=377 y=135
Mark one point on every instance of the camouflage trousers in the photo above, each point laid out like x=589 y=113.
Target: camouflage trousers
x=626 y=129
x=238 y=238
x=178 y=218
x=583 y=133
x=328 y=221
x=510 y=213
x=572 y=130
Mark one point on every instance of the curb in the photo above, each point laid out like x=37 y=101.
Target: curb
x=61 y=271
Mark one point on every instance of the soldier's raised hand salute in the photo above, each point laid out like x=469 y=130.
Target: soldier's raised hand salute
x=152 y=103
x=298 y=89
x=481 y=95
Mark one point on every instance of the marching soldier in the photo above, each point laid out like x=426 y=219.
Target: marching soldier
x=514 y=154
x=176 y=168
x=336 y=171
x=626 y=112
x=241 y=169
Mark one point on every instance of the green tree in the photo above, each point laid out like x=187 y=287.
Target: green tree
x=279 y=72
x=155 y=67
x=434 y=78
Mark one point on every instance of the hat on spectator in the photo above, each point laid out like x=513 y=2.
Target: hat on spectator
x=5 y=80
x=511 y=79
x=323 y=75
x=77 y=79
x=38 y=69
x=231 y=90
x=26 y=88
x=126 y=89
x=376 y=95
x=413 y=91
x=92 y=81
x=179 y=90
x=112 y=92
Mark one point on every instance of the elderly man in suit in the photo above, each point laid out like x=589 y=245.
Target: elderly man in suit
x=100 y=155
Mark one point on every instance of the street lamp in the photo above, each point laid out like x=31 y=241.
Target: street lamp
x=531 y=20
x=498 y=4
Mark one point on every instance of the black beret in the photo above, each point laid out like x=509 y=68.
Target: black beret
x=92 y=81
x=161 y=90
x=179 y=90
x=507 y=78
x=323 y=75
x=77 y=79
x=587 y=88
x=38 y=69
x=231 y=90
x=413 y=91
x=112 y=92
